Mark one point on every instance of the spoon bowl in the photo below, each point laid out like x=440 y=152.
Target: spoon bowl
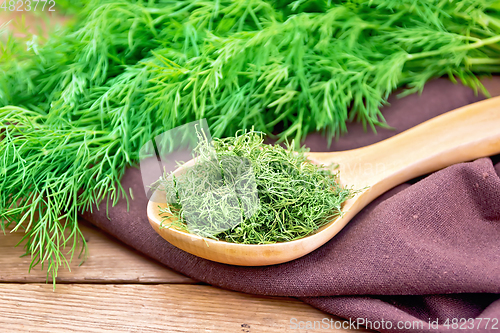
x=457 y=136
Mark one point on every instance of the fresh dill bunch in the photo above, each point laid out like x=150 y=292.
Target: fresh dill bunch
x=241 y=190
x=286 y=67
x=77 y=106
x=48 y=177
x=71 y=6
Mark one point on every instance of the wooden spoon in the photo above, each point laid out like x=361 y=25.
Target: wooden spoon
x=461 y=135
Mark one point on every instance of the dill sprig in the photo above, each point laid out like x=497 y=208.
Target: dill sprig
x=214 y=197
x=48 y=177
x=76 y=107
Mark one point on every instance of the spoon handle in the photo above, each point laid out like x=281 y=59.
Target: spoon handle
x=464 y=134
x=458 y=136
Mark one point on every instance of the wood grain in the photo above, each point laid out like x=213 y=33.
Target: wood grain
x=108 y=261
x=147 y=308
x=39 y=23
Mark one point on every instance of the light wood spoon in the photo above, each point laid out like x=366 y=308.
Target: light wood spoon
x=457 y=136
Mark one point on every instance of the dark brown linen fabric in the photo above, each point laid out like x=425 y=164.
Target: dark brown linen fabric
x=427 y=250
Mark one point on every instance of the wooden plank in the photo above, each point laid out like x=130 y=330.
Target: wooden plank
x=37 y=23
x=108 y=261
x=147 y=308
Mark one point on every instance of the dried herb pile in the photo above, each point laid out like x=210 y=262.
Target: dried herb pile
x=244 y=191
x=76 y=108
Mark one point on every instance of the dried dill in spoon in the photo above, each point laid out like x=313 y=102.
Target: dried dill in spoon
x=241 y=190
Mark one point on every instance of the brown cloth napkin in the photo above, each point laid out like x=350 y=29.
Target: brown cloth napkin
x=425 y=252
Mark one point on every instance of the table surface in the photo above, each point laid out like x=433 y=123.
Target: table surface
x=117 y=289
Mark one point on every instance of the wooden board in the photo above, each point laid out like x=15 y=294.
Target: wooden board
x=108 y=262
x=37 y=23
x=92 y=301
x=147 y=308
x=113 y=292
